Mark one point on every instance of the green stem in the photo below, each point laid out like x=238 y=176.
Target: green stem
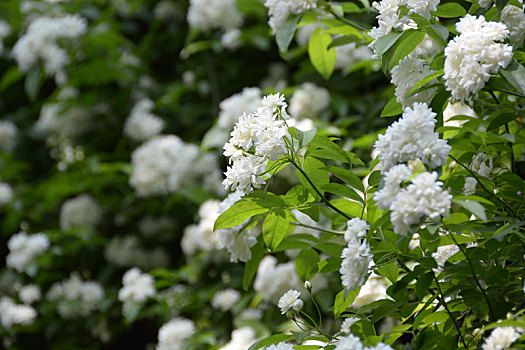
x=317 y=228
x=347 y=21
x=491 y=312
x=323 y=198
x=510 y=92
x=512 y=160
x=473 y=174
x=442 y=300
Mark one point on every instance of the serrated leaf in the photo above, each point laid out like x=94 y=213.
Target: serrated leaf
x=314 y=168
x=450 y=10
x=392 y=108
x=238 y=213
x=275 y=227
x=474 y=207
x=347 y=176
x=514 y=74
x=285 y=33
x=403 y=46
x=322 y=57
x=342 y=190
x=306 y=264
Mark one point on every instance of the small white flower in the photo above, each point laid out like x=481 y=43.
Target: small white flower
x=290 y=300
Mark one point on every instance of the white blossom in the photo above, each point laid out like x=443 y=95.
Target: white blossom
x=175 y=334
x=162 y=165
x=412 y=137
x=76 y=297
x=392 y=181
x=231 y=40
x=40 y=42
x=127 y=251
x=214 y=14
x=81 y=211
x=514 y=19
x=374 y=289
x=142 y=124
x=356 y=228
x=354 y=267
x=406 y=75
x=501 y=338
x=347 y=323
x=15 y=314
x=225 y=299
x=349 y=342
x=279 y=346
x=470 y=186
x=241 y=339
x=29 y=293
x=290 y=300
x=424 y=197
x=62 y=121
x=8 y=133
x=5 y=31
x=136 y=286
x=481 y=165
x=442 y=254
x=273 y=280
x=309 y=101
x=474 y=55
x=6 y=193
x=279 y=10
x=24 y=249
x=201 y=236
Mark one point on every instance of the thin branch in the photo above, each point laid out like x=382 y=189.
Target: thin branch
x=317 y=228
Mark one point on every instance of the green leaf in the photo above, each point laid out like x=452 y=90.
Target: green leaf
x=274 y=339
x=404 y=45
x=386 y=42
x=389 y=271
x=314 y=168
x=347 y=176
x=431 y=76
x=286 y=32
x=344 y=40
x=11 y=76
x=238 y=213
x=472 y=206
x=195 y=47
x=304 y=137
x=251 y=266
x=306 y=264
x=374 y=178
x=501 y=119
x=392 y=108
x=329 y=265
x=450 y=10
x=276 y=226
x=423 y=283
x=322 y=58
x=341 y=302
x=33 y=83
x=342 y=190
x=514 y=74
x=437 y=32
x=332 y=249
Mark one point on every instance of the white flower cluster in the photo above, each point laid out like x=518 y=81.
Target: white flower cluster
x=273 y=280
x=455 y=109
x=24 y=249
x=279 y=10
x=474 y=55
x=40 y=41
x=502 y=338
x=5 y=31
x=389 y=18
x=356 y=256
x=234 y=106
x=127 y=252
x=412 y=137
x=424 y=197
x=480 y=166
x=76 y=297
x=290 y=300
x=6 y=193
x=374 y=289
x=8 y=134
x=81 y=211
x=201 y=236
x=351 y=342
x=308 y=101
x=406 y=75
x=514 y=19
x=211 y=14
x=141 y=124
x=225 y=299
x=442 y=254
x=29 y=293
x=13 y=314
x=242 y=338
x=347 y=323
x=262 y=133
x=61 y=121
x=236 y=240
x=175 y=334
x=162 y=165
x=348 y=55
x=136 y=287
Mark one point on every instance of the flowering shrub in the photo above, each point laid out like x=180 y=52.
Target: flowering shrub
x=254 y=174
